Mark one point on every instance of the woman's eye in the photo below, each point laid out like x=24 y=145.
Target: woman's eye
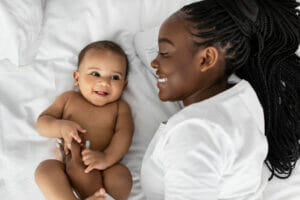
x=115 y=77
x=164 y=54
x=95 y=74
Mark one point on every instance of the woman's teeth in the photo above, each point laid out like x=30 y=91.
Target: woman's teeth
x=162 y=80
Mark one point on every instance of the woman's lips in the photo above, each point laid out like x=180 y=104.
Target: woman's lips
x=161 y=81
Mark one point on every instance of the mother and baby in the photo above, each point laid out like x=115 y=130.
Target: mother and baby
x=216 y=146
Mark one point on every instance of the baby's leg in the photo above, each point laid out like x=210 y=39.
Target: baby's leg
x=85 y=184
x=51 y=178
x=117 y=181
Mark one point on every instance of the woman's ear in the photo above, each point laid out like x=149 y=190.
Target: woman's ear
x=76 y=77
x=207 y=58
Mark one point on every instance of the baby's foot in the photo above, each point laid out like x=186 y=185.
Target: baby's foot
x=99 y=195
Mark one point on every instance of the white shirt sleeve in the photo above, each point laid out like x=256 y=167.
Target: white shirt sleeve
x=193 y=161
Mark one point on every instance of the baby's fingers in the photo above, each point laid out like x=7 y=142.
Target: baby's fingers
x=87 y=159
x=79 y=128
x=66 y=149
x=75 y=136
x=86 y=152
x=89 y=168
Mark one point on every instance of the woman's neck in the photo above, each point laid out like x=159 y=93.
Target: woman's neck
x=207 y=93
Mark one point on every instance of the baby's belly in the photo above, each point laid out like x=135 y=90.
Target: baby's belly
x=99 y=140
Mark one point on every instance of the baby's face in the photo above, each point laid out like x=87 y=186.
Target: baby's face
x=101 y=76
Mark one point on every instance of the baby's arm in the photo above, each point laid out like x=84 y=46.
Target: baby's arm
x=118 y=146
x=50 y=124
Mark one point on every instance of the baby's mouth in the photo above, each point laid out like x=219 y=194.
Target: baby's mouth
x=101 y=93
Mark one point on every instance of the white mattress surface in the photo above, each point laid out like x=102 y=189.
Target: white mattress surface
x=63 y=28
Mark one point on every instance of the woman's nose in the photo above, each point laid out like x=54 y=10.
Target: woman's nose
x=154 y=63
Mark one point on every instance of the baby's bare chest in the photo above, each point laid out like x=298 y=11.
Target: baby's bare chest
x=98 y=121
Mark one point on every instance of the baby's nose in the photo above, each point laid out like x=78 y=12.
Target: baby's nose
x=105 y=81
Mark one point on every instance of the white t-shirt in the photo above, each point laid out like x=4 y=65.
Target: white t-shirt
x=210 y=150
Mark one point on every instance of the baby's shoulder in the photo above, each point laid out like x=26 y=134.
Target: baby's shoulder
x=66 y=96
x=123 y=106
x=70 y=93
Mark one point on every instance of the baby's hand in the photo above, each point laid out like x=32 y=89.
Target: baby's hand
x=69 y=131
x=94 y=160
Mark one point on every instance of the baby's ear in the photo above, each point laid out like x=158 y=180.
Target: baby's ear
x=208 y=58
x=76 y=77
x=125 y=84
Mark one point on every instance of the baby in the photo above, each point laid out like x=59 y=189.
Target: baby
x=95 y=114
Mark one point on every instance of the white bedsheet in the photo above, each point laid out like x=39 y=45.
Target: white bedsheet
x=25 y=91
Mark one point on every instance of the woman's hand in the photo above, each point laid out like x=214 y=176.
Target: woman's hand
x=94 y=160
x=69 y=131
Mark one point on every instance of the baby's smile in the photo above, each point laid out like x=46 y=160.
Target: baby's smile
x=101 y=93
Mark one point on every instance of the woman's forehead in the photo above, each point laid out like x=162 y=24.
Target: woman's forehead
x=173 y=26
x=177 y=30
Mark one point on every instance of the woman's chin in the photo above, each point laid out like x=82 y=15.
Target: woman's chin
x=163 y=97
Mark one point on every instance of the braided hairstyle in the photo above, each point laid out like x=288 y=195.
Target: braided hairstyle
x=263 y=53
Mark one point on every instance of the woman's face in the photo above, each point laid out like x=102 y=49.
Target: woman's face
x=175 y=62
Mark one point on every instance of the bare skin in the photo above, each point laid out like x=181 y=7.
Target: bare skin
x=103 y=142
x=102 y=118
x=83 y=183
x=187 y=74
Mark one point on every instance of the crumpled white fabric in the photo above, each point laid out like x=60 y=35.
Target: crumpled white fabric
x=20 y=23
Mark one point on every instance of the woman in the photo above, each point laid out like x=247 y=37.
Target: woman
x=215 y=147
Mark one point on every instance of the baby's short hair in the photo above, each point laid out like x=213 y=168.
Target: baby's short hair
x=103 y=45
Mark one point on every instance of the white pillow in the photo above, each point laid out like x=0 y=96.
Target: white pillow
x=20 y=22
x=146 y=46
x=70 y=25
x=153 y=14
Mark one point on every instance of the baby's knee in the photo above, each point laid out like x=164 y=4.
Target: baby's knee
x=119 y=176
x=44 y=169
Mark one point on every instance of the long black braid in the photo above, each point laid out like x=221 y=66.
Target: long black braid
x=263 y=53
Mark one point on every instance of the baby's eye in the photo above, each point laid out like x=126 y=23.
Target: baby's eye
x=115 y=77
x=95 y=74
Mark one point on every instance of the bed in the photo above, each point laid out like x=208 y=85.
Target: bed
x=40 y=41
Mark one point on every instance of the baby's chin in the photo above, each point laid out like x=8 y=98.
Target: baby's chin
x=103 y=102
x=99 y=104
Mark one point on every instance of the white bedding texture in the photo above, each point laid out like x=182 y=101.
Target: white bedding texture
x=40 y=41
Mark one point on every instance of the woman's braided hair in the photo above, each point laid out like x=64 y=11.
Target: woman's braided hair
x=263 y=53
